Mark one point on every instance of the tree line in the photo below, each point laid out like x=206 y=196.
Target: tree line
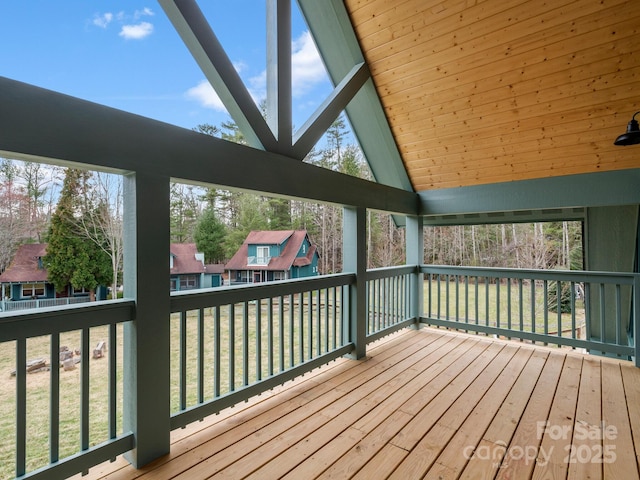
x=79 y=214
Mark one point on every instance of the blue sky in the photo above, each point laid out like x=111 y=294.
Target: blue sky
x=127 y=55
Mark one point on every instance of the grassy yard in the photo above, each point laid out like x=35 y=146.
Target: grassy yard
x=496 y=304
x=304 y=334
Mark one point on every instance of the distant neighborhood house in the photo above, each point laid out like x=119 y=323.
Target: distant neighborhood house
x=269 y=255
x=264 y=256
x=188 y=270
x=26 y=277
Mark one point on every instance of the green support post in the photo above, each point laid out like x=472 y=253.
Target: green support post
x=415 y=256
x=354 y=260
x=147 y=401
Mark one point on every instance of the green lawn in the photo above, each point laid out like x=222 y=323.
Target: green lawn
x=500 y=305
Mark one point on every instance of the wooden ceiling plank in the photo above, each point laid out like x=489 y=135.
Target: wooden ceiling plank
x=514 y=173
x=382 y=14
x=442 y=150
x=484 y=24
x=465 y=160
x=498 y=91
x=427 y=73
x=550 y=101
x=572 y=69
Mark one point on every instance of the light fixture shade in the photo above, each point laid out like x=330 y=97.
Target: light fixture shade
x=632 y=135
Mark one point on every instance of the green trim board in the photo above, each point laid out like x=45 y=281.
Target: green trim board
x=533 y=200
x=337 y=43
x=519 y=216
x=81 y=133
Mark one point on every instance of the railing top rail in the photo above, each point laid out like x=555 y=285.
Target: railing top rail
x=623 y=278
x=48 y=320
x=217 y=296
x=385 y=272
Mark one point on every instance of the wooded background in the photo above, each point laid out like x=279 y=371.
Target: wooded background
x=219 y=220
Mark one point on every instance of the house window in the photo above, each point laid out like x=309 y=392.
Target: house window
x=30 y=290
x=279 y=276
x=262 y=255
x=188 y=281
x=80 y=292
x=173 y=284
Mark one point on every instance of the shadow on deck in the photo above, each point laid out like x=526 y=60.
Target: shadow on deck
x=430 y=404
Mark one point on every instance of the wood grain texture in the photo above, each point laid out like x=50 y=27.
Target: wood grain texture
x=425 y=404
x=478 y=92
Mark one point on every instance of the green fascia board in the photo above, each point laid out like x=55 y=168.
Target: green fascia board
x=535 y=198
x=340 y=51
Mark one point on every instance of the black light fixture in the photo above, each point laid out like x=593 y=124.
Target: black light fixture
x=632 y=136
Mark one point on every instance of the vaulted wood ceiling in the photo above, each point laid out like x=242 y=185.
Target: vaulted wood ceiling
x=479 y=92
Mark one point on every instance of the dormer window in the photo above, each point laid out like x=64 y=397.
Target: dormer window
x=262 y=255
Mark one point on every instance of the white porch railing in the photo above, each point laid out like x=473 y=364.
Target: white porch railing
x=12 y=306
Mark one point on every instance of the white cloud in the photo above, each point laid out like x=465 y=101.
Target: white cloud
x=204 y=94
x=145 y=12
x=136 y=32
x=257 y=87
x=130 y=25
x=307 y=68
x=103 y=20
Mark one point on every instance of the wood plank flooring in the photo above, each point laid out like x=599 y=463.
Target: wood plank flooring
x=424 y=404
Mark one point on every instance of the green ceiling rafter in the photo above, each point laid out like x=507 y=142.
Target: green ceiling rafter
x=196 y=33
x=334 y=36
x=326 y=114
x=275 y=134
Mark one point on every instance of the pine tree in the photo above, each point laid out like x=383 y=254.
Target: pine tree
x=71 y=258
x=209 y=236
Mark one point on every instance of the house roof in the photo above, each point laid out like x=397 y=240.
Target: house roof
x=214 y=268
x=307 y=259
x=268 y=237
x=185 y=260
x=24 y=266
x=284 y=262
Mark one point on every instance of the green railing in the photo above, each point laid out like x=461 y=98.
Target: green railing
x=389 y=300
x=53 y=413
x=593 y=311
x=231 y=343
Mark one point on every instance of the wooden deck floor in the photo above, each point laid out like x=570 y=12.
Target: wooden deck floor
x=424 y=404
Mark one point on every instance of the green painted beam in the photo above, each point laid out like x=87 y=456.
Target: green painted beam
x=147 y=376
x=535 y=197
x=71 y=131
x=313 y=129
x=355 y=261
x=279 y=100
x=339 y=48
